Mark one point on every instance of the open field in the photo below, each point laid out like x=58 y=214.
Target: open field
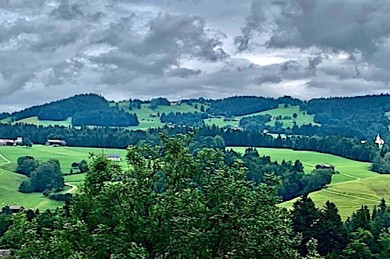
x=9 y=194
x=354 y=186
x=149 y=118
x=10 y=181
x=46 y=123
x=284 y=112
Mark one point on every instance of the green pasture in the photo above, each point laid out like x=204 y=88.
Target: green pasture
x=354 y=186
x=46 y=123
x=10 y=181
x=302 y=119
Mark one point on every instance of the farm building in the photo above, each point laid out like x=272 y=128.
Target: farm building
x=7 y=142
x=15 y=208
x=55 y=142
x=18 y=141
x=325 y=167
x=114 y=157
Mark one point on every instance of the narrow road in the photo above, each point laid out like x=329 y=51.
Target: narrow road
x=5 y=159
x=350 y=195
x=74 y=188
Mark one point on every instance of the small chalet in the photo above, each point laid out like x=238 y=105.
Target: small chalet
x=7 y=142
x=114 y=157
x=15 y=208
x=55 y=142
x=325 y=167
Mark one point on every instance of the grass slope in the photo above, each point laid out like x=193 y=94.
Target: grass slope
x=354 y=186
x=302 y=119
x=147 y=117
x=10 y=181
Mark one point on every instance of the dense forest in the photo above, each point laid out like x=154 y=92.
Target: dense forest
x=210 y=210
x=357 y=117
x=184 y=119
x=237 y=106
x=63 y=109
x=109 y=117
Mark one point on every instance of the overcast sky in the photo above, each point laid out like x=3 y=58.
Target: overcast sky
x=52 y=49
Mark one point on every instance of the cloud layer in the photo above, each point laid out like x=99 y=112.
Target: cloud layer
x=191 y=48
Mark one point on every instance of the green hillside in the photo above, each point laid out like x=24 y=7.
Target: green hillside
x=281 y=114
x=354 y=186
x=10 y=181
x=147 y=117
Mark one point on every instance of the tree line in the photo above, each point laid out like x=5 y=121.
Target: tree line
x=184 y=119
x=121 y=138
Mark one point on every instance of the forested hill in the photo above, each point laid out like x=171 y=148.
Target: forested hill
x=63 y=109
x=85 y=109
x=355 y=117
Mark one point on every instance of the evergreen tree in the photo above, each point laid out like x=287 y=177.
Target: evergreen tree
x=331 y=233
x=304 y=216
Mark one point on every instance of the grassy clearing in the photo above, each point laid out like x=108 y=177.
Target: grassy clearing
x=354 y=186
x=147 y=117
x=284 y=112
x=302 y=119
x=9 y=194
x=46 y=123
x=349 y=196
x=349 y=170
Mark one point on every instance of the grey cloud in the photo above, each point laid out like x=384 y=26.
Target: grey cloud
x=180 y=49
x=347 y=25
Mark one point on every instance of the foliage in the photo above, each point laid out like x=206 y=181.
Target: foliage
x=62 y=109
x=26 y=165
x=154 y=103
x=46 y=176
x=184 y=119
x=242 y=105
x=359 y=117
x=255 y=123
x=108 y=117
x=206 y=209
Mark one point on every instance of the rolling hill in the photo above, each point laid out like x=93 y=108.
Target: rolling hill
x=353 y=186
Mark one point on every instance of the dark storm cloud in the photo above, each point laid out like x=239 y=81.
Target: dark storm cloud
x=347 y=25
x=51 y=49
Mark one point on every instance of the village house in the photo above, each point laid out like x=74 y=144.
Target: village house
x=7 y=142
x=325 y=167
x=114 y=157
x=55 y=142
x=15 y=208
x=18 y=141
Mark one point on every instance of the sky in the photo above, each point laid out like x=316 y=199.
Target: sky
x=121 y=49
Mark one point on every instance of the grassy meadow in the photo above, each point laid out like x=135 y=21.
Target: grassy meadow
x=10 y=181
x=149 y=118
x=353 y=186
x=285 y=112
